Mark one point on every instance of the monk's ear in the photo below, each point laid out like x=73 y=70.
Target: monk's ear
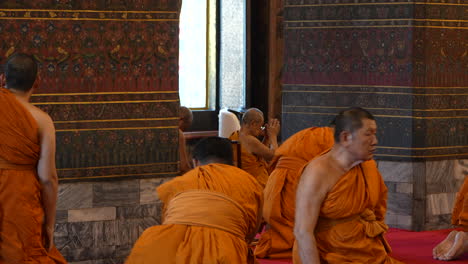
x=346 y=137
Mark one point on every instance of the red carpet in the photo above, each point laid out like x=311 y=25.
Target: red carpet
x=409 y=247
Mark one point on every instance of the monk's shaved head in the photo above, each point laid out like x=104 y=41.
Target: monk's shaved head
x=350 y=120
x=20 y=72
x=213 y=150
x=185 y=118
x=252 y=114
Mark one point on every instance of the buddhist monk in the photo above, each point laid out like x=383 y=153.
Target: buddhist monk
x=341 y=199
x=210 y=214
x=28 y=178
x=185 y=122
x=456 y=243
x=280 y=191
x=256 y=154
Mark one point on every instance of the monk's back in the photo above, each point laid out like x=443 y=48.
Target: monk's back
x=202 y=242
x=21 y=209
x=251 y=163
x=307 y=143
x=221 y=178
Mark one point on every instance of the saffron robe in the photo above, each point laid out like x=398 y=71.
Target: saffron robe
x=460 y=210
x=252 y=163
x=208 y=212
x=351 y=226
x=280 y=191
x=22 y=233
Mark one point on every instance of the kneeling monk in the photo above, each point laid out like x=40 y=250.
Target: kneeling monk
x=211 y=213
x=280 y=191
x=341 y=199
x=256 y=154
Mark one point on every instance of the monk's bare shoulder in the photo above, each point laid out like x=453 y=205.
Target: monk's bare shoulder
x=248 y=139
x=319 y=172
x=44 y=121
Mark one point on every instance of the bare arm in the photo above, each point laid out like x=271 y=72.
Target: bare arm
x=272 y=130
x=311 y=192
x=254 y=146
x=48 y=175
x=184 y=162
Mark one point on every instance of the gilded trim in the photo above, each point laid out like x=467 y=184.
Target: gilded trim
x=375 y=108
x=104 y=93
x=105 y=102
x=113 y=166
x=392 y=3
x=114 y=128
x=122 y=175
x=374 y=86
x=364 y=92
x=116 y=120
x=397 y=116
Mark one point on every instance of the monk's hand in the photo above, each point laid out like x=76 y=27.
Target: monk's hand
x=273 y=128
x=49 y=239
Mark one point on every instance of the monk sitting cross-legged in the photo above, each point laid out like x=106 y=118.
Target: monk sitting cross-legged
x=341 y=199
x=456 y=242
x=254 y=153
x=280 y=191
x=210 y=214
x=28 y=178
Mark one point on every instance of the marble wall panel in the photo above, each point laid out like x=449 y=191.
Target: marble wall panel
x=148 y=189
x=399 y=204
x=118 y=193
x=75 y=196
x=394 y=171
x=92 y=214
x=439 y=204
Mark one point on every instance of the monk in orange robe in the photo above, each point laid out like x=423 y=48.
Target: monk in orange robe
x=28 y=178
x=255 y=154
x=456 y=243
x=341 y=199
x=280 y=191
x=210 y=214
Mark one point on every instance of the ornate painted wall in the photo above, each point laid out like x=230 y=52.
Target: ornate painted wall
x=109 y=79
x=108 y=74
x=404 y=61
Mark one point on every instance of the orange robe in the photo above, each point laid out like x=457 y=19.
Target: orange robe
x=252 y=164
x=208 y=212
x=351 y=224
x=280 y=191
x=21 y=212
x=460 y=211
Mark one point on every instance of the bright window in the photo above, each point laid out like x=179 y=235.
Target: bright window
x=197 y=53
x=192 y=54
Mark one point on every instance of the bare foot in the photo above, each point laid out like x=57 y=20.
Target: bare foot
x=443 y=247
x=460 y=246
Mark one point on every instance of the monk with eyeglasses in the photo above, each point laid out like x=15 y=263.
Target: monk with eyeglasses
x=256 y=154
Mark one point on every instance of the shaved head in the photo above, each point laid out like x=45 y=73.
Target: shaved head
x=185 y=118
x=252 y=115
x=213 y=150
x=350 y=120
x=20 y=72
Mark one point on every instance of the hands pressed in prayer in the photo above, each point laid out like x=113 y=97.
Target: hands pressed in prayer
x=272 y=128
